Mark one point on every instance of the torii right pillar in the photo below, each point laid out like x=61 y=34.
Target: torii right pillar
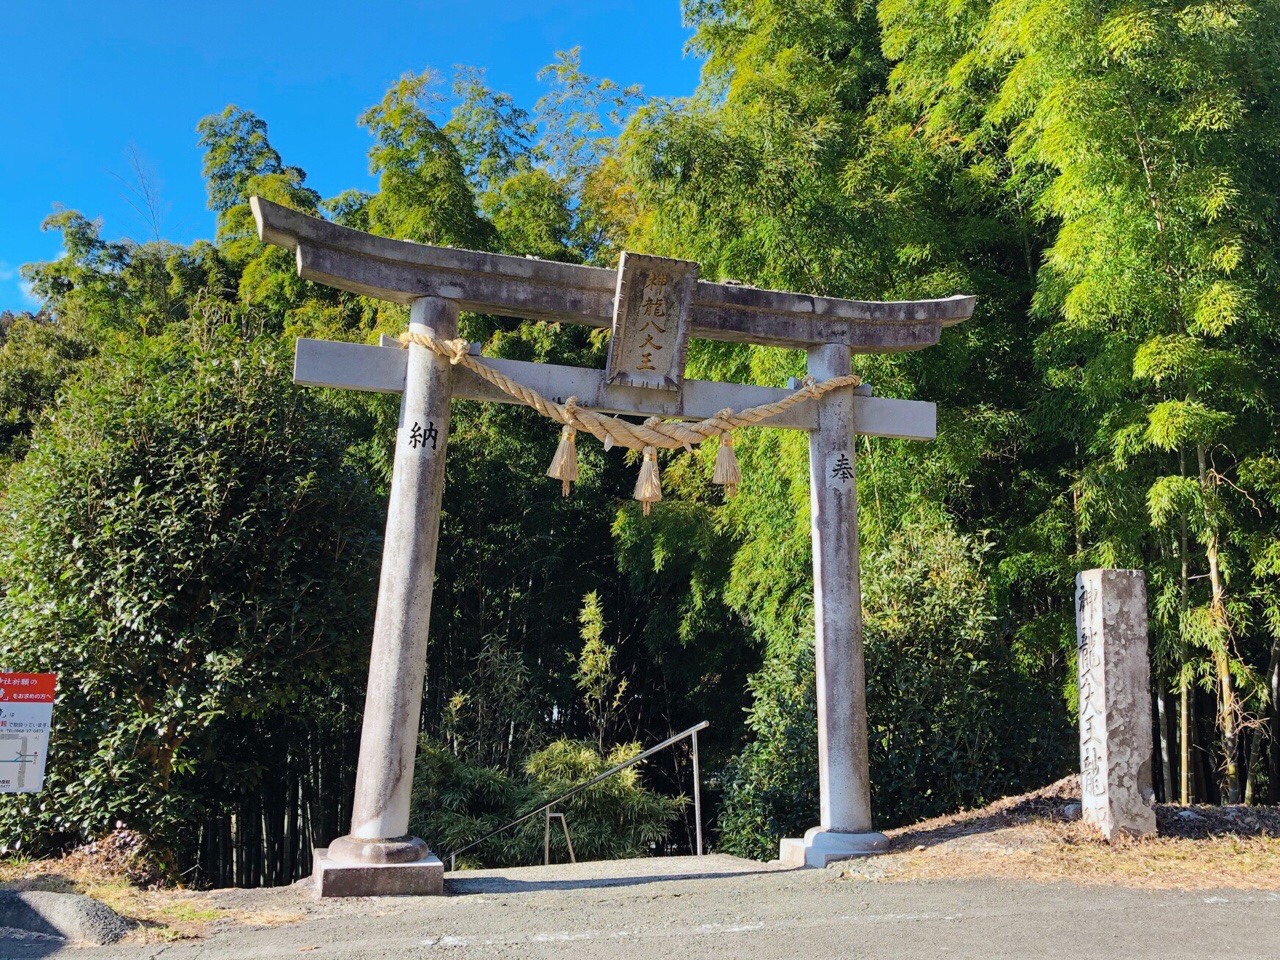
x=844 y=779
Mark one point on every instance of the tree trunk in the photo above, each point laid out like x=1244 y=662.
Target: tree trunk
x=1251 y=767
x=1208 y=784
x=1227 y=725
x=1227 y=707
x=1166 y=755
x=1184 y=712
x=1185 y=745
x=1273 y=687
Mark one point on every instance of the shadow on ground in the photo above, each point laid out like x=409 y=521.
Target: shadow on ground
x=603 y=874
x=462 y=885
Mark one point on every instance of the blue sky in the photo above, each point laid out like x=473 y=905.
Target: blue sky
x=86 y=82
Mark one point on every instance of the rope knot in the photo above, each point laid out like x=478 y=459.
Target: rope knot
x=571 y=411
x=455 y=350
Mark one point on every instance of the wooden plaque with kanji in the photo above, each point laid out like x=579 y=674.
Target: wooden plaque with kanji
x=651 y=322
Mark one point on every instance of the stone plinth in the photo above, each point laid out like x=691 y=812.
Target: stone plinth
x=342 y=878
x=819 y=847
x=1115 y=703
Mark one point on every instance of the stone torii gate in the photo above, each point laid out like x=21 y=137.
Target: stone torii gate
x=652 y=306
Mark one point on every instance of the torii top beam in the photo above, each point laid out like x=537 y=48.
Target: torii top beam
x=401 y=272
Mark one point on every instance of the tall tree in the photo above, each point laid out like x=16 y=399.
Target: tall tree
x=237 y=149
x=423 y=191
x=1156 y=122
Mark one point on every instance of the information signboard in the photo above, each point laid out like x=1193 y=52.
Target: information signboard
x=26 y=714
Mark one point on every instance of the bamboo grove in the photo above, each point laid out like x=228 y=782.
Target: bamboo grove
x=192 y=542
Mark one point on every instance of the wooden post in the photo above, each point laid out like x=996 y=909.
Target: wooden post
x=379 y=837
x=844 y=828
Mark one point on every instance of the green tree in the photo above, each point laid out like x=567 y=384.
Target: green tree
x=1158 y=283
x=240 y=162
x=423 y=192
x=494 y=136
x=457 y=803
x=116 y=288
x=236 y=150
x=36 y=358
x=187 y=548
x=603 y=691
x=533 y=216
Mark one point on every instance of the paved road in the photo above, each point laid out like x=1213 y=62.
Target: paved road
x=743 y=911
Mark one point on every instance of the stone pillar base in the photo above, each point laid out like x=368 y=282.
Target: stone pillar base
x=819 y=847
x=344 y=878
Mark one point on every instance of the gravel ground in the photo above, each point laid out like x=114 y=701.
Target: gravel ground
x=725 y=908
x=1019 y=878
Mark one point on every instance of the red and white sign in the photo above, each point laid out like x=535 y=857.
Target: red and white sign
x=26 y=714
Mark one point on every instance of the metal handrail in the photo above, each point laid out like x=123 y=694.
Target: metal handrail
x=697 y=791
x=546 y=838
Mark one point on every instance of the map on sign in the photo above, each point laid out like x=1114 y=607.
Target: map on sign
x=26 y=714
x=651 y=322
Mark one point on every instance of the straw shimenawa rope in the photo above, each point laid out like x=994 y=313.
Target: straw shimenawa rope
x=614 y=431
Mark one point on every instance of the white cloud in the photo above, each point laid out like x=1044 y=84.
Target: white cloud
x=12 y=275
x=28 y=293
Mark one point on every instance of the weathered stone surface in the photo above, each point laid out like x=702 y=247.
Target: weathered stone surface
x=70 y=916
x=402 y=272
x=845 y=788
x=371 y=861
x=844 y=785
x=406 y=849
x=1115 y=702
x=819 y=847
x=334 y=878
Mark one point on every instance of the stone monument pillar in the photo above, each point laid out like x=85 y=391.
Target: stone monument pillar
x=1115 y=703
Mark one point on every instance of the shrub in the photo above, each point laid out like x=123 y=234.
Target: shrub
x=187 y=548
x=953 y=718
x=456 y=803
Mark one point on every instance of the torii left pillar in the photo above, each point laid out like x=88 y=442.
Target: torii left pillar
x=379 y=857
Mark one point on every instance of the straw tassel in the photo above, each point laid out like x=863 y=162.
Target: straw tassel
x=649 y=484
x=564 y=465
x=727 y=473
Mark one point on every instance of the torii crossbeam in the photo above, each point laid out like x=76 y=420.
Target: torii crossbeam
x=652 y=306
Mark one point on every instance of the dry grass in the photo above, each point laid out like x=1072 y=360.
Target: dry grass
x=1031 y=838
x=1241 y=863
x=161 y=914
